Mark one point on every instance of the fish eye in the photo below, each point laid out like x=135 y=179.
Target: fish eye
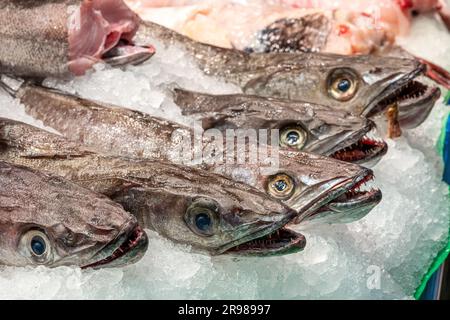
x=281 y=186
x=293 y=137
x=342 y=84
x=37 y=245
x=201 y=217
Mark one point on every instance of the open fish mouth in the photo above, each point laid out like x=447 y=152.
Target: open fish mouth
x=367 y=149
x=404 y=92
x=129 y=249
x=278 y=242
x=352 y=202
x=415 y=106
x=410 y=94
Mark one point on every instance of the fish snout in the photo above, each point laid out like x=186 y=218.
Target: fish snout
x=128 y=248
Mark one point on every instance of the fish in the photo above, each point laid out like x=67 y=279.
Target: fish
x=363 y=85
x=211 y=213
x=63 y=38
x=48 y=221
x=123 y=132
x=343 y=27
x=303 y=126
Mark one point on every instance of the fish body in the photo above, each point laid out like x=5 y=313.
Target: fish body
x=46 y=220
x=361 y=85
x=206 y=211
x=123 y=132
x=63 y=38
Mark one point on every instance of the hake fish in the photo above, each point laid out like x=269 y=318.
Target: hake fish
x=67 y=37
x=123 y=132
x=303 y=126
x=364 y=85
x=46 y=220
x=209 y=212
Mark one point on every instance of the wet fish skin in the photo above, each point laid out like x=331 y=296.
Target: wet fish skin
x=79 y=227
x=34 y=48
x=144 y=136
x=295 y=76
x=122 y=132
x=328 y=130
x=157 y=193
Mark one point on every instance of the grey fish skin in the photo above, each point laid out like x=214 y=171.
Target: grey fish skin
x=38 y=38
x=123 y=132
x=326 y=131
x=164 y=197
x=72 y=226
x=310 y=77
x=310 y=34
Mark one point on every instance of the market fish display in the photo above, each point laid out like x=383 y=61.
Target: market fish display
x=46 y=220
x=66 y=37
x=303 y=126
x=185 y=205
x=362 y=85
x=123 y=132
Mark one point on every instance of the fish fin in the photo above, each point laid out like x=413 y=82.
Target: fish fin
x=32 y=142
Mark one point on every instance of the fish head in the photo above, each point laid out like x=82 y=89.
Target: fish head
x=334 y=133
x=48 y=221
x=301 y=126
x=212 y=214
x=312 y=184
x=362 y=85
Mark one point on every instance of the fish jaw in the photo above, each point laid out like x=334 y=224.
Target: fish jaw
x=391 y=90
x=413 y=112
x=357 y=144
x=364 y=148
x=269 y=239
x=129 y=248
x=347 y=211
x=279 y=242
x=340 y=200
x=125 y=54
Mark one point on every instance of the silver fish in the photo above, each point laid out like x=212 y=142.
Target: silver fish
x=303 y=126
x=123 y=132
x=209 y=212
x=46 y=220
x=362 y=85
